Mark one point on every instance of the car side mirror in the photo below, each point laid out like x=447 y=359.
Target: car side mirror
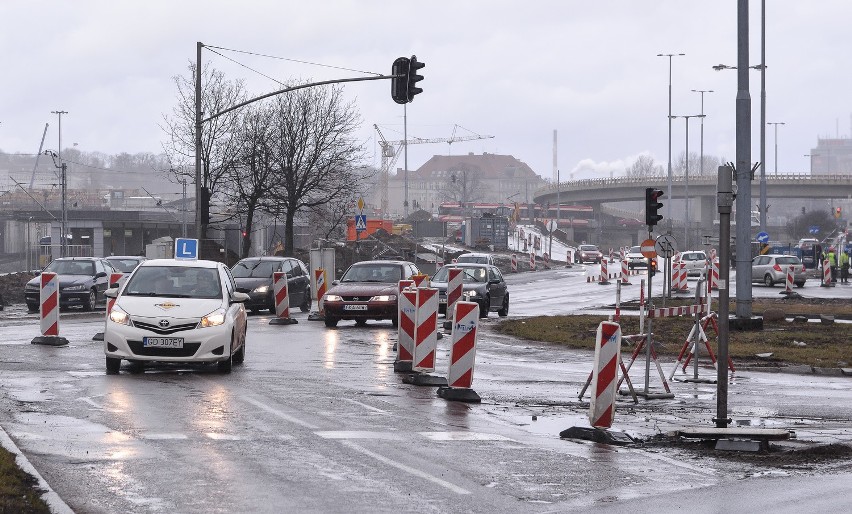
x=238 y=297
x=100 y=274
x=112 y=292
x=335 y=282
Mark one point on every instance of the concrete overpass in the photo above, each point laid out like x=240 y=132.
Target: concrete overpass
x=702 y=193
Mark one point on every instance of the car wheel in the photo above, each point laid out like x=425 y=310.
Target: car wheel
x=504 y=310
x=330 y=322
x=91 y=301
x=254 y=310
x=112 y=365
x=484 y=307
x=32 y=308
x=360 y=322
x=240 y=355
x=800 y=284
x=767 y=279
x=306 y=302
x=395 y=321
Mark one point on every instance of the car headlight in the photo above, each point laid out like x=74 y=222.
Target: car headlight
x=261 y=289
x=384 y=298
x=214 y=319
x=78 y=287
x=31 y=287
x=118 y=315
x=333 y=298
x=471 y=293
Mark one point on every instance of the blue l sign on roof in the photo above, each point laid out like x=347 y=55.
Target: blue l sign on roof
x=186 y=249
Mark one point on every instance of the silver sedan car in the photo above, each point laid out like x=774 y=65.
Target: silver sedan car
x=772 y=269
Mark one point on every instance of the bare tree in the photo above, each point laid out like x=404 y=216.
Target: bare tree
x=644 y=166
x=250 y=180
x=315 y=152
x=462 y=186
x=218 y=146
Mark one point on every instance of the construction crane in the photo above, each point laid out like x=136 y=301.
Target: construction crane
x=392 y=149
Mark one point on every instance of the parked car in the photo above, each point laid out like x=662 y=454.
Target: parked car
x=696 y=262
x=82 y=282
x=772 y=269
x=125 y=264
x=482 y=282
x=475 y=258
x=254 y=277
x=177 y=311
x=635 y=259
x=368 y=290
x=587 y=253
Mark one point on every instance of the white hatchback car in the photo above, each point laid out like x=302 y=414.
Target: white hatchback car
x=176 y=311
x=696 y=262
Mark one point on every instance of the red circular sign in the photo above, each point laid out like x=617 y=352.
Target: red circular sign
x=647 y=248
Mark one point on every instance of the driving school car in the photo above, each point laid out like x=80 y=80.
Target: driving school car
x=176 y=311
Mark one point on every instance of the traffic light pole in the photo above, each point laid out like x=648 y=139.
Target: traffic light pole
x=724 y=201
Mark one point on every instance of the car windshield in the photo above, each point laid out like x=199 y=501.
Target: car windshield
x=391 y=273
x=476 y=259
x=174 y=282
x=787 y=260
x=71 y=268
x=254 y=269
x=589 y=248
x=469 y=275
x=124 y=265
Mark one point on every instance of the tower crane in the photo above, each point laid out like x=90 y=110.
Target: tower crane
x=392 y=149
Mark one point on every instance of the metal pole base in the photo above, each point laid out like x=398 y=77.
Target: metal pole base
x=598 y=435
x=50 y=340
x=459 y=394
x=422 y=379
x=283 y=321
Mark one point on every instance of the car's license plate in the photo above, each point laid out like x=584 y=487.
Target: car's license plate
x=162 y=342
x=442 y=300
x=354 y=307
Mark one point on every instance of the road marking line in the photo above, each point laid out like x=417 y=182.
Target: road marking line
x=402 y=467
x=223 y=437
x=92 y=403
x=462 y=436
x=280 y=414
x=354 y=434
x=163 y=436
x=368 y=407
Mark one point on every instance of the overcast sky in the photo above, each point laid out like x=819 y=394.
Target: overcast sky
x=513 y=69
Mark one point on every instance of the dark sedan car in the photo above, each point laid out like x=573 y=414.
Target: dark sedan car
x=253 y=276
x=483 y=284
x=368 y=290
x=82 y=282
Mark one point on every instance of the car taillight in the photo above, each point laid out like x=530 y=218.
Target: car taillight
x=803 y=268
x=777 y=268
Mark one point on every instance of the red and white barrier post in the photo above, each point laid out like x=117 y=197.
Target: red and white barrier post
x=826 y=274
x=321 y=286
x=455 y=282
x=625 y=270
x=281 y=295
x=462 y=355
x=425 y=338
x=604 y=278
x=532 y=261
x=421 y=280
x=514 y=263
x=604 y=374
x=407 y=312
x=49 y=311
x=114 y=278
x=788 y=284
x=714 y=275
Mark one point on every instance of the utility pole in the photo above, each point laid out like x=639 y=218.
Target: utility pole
x=199 y=204
x=63 y=223
x=743 y=168
x=183 y=217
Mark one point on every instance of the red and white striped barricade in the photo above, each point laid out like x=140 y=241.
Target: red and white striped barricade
x=49 y=311
x=425 y=329
x=319 y=279
x=407 y=301
x=114 y=280
x=604 y=374
x=546 y=258
x=714 y=274
x=604 y=278
x=532 y=261
x=455 y=281
x=712 y=254
x=514 y=263
x=421 y=280
x=788 y=283
x=281 y=296
x=462 y=354
x=625 y=271
x=826 y=274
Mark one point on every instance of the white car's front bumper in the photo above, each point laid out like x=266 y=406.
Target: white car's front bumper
x=209 y=344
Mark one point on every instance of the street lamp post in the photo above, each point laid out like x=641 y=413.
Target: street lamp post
x=776 y=123
x=701 y=155
x=810 y=157
x=669 y=204
x=686 y=179
x=63 y=223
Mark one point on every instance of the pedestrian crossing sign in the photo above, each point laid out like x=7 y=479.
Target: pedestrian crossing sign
x=360 y=222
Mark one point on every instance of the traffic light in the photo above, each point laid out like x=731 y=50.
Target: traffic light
x=652 y=266
x=837 y=212
x=652 y=206
x=414 y=78
x=399 y=82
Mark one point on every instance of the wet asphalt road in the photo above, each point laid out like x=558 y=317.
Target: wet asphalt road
x=317 y=421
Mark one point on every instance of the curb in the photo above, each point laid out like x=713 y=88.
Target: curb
x=57 y=506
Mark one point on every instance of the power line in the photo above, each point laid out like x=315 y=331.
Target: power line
x=292 y=60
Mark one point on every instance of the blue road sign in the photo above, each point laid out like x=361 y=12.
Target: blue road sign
x=763 y=237
x=814 y=229
x=186 y=249
x=360 y=222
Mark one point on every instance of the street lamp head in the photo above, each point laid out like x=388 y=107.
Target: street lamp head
x=701 y=90
x=719 y=67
